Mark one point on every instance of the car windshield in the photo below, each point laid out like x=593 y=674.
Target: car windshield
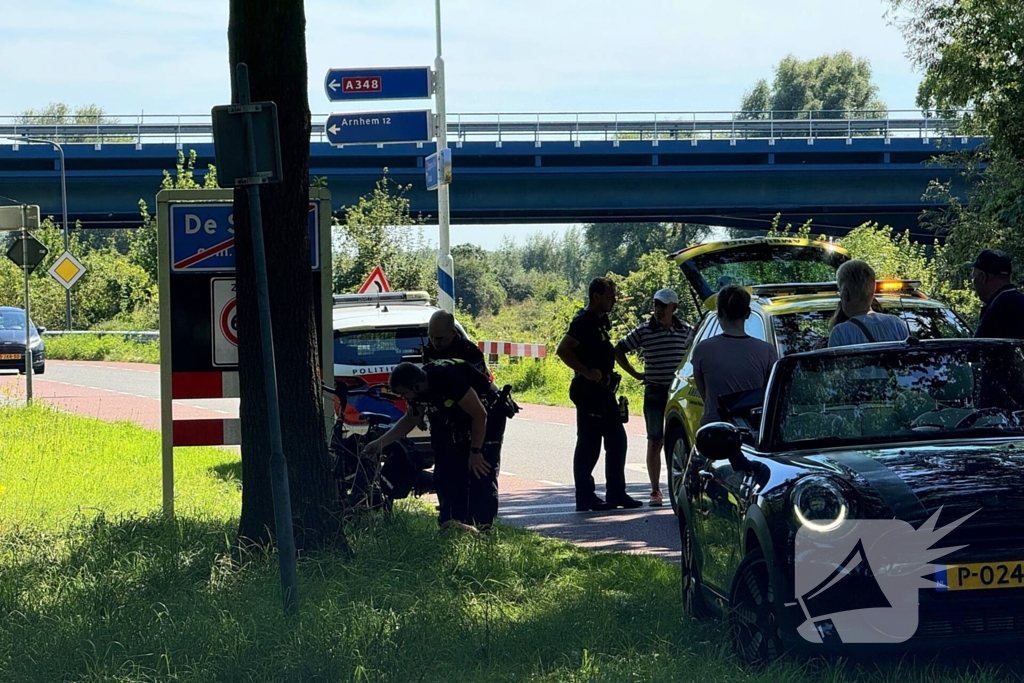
x=13 y=320
x=378 y=347
x=758 y=263
x=902 y=395
x=808 y=330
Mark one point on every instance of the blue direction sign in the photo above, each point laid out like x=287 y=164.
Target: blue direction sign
x=384 y=83
x=436 y=176
x=203 y=237
x=383 y=126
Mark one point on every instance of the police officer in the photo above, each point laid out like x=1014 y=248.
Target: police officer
x=1002 y=316
x=446 y=342
x=467 y=444
x=587 y=349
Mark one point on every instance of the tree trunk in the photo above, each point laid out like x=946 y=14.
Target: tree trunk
x=269 y=36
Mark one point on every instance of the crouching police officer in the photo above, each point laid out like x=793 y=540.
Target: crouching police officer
x=467 y=426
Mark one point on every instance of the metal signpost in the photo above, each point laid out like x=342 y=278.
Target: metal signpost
x=396 y=83
x=27 y=253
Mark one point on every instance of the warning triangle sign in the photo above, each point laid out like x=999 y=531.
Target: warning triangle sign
x=376 y=283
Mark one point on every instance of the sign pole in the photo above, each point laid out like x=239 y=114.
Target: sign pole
x=278 y=464
x=28 y=311
x=445 y=263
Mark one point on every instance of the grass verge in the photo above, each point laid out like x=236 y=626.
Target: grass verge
x=101 y=588
x=546 y=381
x=105 y=348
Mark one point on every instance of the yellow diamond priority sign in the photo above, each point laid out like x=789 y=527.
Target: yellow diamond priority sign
x=66 y=270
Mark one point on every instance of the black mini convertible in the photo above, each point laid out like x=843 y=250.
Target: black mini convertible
x=870 y=496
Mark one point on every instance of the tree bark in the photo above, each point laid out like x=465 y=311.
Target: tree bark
x=270 y=37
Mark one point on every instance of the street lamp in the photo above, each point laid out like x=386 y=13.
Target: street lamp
x=64 y=205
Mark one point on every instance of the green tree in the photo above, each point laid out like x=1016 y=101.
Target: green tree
x=379 y=230
x=269 y=36
x=59 y=114
x=836 y=85
x=971 y=55
x=476 y=286
x=617 y=247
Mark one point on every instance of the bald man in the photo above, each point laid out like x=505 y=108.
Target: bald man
x=446 y=342
x=446 y=345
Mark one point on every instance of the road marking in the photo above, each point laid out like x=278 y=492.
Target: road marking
x=550 y=483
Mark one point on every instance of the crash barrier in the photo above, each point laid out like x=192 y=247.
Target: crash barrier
x=514 y=350
x=131 y=335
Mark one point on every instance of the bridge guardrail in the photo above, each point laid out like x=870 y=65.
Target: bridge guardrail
x=133 y=335
x=542 y=127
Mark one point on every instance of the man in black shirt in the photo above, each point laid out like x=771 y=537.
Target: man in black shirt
x=446 y=342
x=587 y=349
x=1002 y=316
x=466 y=443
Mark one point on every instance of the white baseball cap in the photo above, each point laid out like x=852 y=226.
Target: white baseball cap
x=666 y=296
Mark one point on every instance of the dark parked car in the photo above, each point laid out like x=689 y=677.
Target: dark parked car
x=930 y=433
x=12 y=341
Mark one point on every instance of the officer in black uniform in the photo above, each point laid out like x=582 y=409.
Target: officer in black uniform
x=456 y=396
x=447 y=342
x=587 y=349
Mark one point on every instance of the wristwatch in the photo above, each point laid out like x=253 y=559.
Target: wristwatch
x=474 y=449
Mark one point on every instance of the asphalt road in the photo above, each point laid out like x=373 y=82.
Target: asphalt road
x=536 y=471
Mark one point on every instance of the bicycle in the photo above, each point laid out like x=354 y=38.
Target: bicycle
x=374 y=482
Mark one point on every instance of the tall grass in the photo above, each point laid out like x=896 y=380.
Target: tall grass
x=101 y=347
x=95 y=585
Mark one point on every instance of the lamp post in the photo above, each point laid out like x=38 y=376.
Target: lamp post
x=445 y=264
x=64 y=205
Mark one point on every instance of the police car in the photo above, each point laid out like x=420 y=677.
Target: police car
x=793 y=296
x=372 y=334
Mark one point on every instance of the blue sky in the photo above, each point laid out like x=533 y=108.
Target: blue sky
x=130 y=56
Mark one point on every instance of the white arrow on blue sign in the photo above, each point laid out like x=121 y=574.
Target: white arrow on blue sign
x=382 y=126
x=383 y=83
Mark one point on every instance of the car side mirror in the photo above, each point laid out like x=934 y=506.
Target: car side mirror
x=720 y=441
x=40 y=329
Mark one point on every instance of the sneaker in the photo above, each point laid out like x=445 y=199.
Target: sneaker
x=626 y=502
x=594 y=505
x=656 y=500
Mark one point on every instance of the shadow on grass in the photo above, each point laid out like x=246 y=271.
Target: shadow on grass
x=230 y=472
x=148 y=598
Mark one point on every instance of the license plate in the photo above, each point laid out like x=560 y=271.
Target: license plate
x=981 y=575
x=10 y=356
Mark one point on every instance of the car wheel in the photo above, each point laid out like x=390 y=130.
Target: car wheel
x=40 y=369
x=676 y=451
x=753 y=612
x=693 y=597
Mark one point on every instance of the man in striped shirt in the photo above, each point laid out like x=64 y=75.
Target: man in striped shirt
x=662 y=341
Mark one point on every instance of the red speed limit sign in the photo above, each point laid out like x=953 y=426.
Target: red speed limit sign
x=224 y=321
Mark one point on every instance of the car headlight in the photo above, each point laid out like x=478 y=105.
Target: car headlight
x=819 y=503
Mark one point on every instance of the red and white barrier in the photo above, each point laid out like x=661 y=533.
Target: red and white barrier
x=212 y=431
x=206 y=432
x=513 y=349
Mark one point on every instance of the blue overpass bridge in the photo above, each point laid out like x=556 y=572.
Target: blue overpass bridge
x=542 y=168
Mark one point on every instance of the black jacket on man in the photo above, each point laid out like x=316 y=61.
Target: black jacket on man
x=460 y=348
x=1003 y=315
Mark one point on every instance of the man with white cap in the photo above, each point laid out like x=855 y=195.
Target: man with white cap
x=662 y=341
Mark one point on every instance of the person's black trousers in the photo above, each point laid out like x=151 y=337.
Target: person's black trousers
x=598 y=421
x=461 y=495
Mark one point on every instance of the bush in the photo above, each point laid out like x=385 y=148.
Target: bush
x=104 y=348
